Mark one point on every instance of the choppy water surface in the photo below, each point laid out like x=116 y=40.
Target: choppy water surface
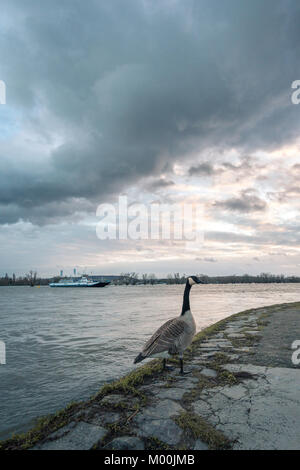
x=63 y=344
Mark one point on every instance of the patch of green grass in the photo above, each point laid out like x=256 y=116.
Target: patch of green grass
x=227 y=378
x=198 y=428
x=129 y=383
x=121 y=405
x=219 y=359
x=115 y=429
x=246 y=342
x=263 y=320
x=152 y=443
x=250 y=340
x=169 y=383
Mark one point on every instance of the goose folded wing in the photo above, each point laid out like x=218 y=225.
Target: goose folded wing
x=165 y=338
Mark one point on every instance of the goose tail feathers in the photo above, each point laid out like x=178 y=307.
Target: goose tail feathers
x=139 y=358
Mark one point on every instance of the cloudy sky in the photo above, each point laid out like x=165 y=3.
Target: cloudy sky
x=163 y=101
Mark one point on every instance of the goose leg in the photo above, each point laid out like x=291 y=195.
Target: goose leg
x=165 y=367
x=181 y=368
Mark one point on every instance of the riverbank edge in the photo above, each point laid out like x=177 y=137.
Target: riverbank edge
x=130 y=385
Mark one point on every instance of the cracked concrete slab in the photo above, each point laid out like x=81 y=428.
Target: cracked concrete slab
x=236 y=335
x=172 y=393
x=258 y=414
x=155 y=421
x=162 y=410
x=81 y=437
x=217 y=344
x=126 y=443
x=166 y=430
x=209 y=373
x=187 y=384
x=235 y=392
x=250 y=368
x=200 y=445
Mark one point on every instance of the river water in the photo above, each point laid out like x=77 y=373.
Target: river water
x=63 y=344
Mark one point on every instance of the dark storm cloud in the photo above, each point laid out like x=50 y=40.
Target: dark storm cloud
x=245 y=165
x=289 y=194
x=45 y=213
x=161 y=183
x=246 y=202
x=203 y=169
x=129 y=88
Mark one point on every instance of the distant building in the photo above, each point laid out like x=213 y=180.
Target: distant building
x=98 y=277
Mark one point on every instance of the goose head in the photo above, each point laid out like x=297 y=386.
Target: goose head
x=194 y=280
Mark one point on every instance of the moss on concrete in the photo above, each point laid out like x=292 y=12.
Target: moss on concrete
x=227 y=378
x=198 y=428
x=129 y=383
x=152 y=443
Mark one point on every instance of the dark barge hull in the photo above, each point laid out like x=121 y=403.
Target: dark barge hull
x=78 y=285
x=100 y=284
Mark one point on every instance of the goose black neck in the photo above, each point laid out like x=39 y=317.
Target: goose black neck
x=186 y=298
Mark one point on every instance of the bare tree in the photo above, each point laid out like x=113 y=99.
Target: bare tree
x=152 y=278
x=129 y=278
x=31 y=278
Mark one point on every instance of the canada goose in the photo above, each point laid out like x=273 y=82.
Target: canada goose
x=174 y=336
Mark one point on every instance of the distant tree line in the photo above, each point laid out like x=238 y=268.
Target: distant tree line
x=29 y=279
x=248 y=279
x=133 y=278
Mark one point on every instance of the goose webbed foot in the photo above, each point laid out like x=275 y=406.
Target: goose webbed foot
x=183 y=372
x=165 y=367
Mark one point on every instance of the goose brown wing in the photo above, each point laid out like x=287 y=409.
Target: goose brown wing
x=164 y=338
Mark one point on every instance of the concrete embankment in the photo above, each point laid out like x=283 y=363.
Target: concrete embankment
x=243 y=392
